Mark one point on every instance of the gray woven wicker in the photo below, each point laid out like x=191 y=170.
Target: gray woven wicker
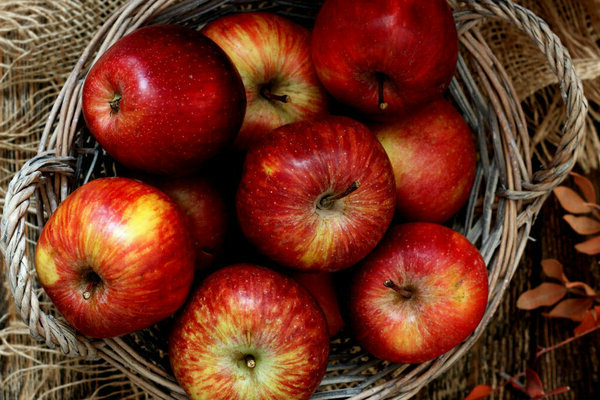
x=508 y=193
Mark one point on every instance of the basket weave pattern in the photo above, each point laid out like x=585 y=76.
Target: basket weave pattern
x=508 y=193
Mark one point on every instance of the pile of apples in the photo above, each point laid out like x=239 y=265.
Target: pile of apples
x=347 y=162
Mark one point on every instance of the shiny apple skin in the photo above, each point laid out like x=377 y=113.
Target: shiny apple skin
x=285 y=176
x=322 y=286
x=206 y=214
x=242 y=310
x=448 y=277
x=130 y=234
x=413 y=43
x=273 y=51
x=182 y=100
x=434 y=159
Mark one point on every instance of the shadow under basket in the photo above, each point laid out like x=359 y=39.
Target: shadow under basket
x=510 y=187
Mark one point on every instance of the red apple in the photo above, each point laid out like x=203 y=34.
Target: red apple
x=434 y=160
x=322 y=286
x=419 y=294
x=206 y=214
x=316 y=195
x=163 y=100
x=115 y=257
x=272 y=55
x=249 y=332
x=385 y=57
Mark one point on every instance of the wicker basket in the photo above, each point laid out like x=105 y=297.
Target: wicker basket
x=509 y=190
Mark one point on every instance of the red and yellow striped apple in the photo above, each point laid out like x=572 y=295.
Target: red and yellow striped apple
x=115 y=257
x=419 y=294
x=316 y=195
x=249 y=333
x=434 y=160
x=163 y=100
x=272 y=55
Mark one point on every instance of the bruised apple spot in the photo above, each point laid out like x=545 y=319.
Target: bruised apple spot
x=46 y=270
x=460 y=296
x=454 y=288
x=269 y=166
x=268 y=169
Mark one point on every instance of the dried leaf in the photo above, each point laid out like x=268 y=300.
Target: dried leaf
x=590 y=246
x=585 y=186
x=590 y=321
x=534 y=386
x=582 y=224
x=587 y=290
x=553 y=269
x=573 y=309
x=545 y=294
x=480 y=392
x=571 y=201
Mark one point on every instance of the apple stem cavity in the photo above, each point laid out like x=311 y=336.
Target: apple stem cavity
x=326 y=202
x=93 y=281
x=265 y=92
x=250 y=361
x=382 y=104
x=114 y=103
x=407 y=294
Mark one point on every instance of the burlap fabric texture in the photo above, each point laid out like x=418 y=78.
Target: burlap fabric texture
x=577 y=23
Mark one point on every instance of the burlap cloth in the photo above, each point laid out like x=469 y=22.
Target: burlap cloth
x=41 y=40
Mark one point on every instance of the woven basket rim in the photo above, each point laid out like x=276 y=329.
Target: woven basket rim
x=521 y=201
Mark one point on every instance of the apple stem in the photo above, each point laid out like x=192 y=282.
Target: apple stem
x=380 y=80
x=250 y=361
x=88 y=291
x=114 y=103
x=327 y=201
x=93 y=281
x=407 y=294
x=267 y=94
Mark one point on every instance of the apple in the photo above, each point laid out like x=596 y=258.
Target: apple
x=316 y=195
x=272 y=55
x=206 y=214
x=163 y=99
x=419 y=294
x=433 y=155
x=115 y=257
x=385 y=57
x=322 y=286
x=249 y=332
